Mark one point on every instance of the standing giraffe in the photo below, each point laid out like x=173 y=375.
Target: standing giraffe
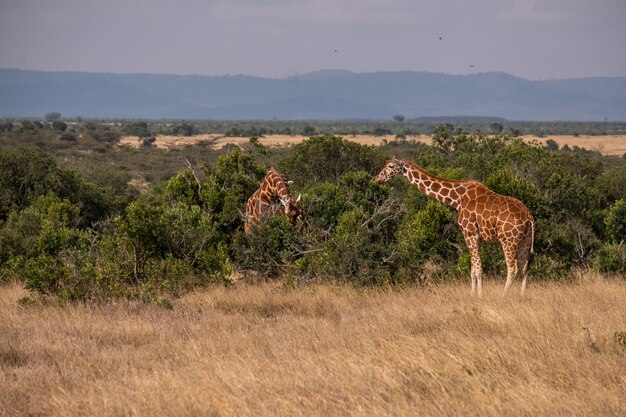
x=268 y=199
x=483 y=216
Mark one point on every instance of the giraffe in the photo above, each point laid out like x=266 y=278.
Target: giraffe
x=271 y=198
x=484 y=216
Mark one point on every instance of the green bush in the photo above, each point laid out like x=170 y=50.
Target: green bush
x=323 y=204
x=327 y=158
x=611 y=259
x=227 y=187
x=615 y=222
x=356 y=253
x=184 y=129
x=430 y=234
x=270 y=248
x=45 y=275
x=29 y=173
x=46 y=227
x=362 y=249
x=138 y=128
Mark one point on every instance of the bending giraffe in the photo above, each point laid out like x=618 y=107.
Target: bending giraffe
x=272 y=197
x=484 y=216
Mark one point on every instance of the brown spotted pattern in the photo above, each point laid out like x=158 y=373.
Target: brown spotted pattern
x=484 y=216
x=272 y=198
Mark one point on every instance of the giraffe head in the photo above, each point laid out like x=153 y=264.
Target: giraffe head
x=293 y=210
x=392 y=168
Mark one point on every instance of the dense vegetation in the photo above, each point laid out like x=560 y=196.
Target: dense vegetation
x=73 y=225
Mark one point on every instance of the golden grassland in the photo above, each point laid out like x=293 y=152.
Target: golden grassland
x=607 y=145
x=322 y=350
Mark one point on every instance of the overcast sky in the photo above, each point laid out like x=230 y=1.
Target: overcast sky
x=533 y=39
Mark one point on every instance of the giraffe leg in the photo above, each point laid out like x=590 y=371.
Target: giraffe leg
x=477 y=270
x=511 y=266
x=473 y=245
x=524 y=276
x=523 y=257
x=473 y=277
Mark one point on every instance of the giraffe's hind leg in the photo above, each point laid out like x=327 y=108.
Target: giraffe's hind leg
x=523 y=256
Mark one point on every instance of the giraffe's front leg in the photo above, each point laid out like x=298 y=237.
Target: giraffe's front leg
x=473 y=244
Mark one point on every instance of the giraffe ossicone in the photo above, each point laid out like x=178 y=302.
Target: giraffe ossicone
x=271 y=198
x=484 y=216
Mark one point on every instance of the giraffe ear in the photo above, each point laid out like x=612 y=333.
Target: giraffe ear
x=298 y=199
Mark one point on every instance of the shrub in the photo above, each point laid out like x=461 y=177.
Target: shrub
x=227 y=187
x=138 y=128
x=44 y=275
x=323 y=204
x=59 y=126
x=104 y=135
x=269 y=249
x=551 y=145
x=430 y=234
x=506 y=183
x=68 y=137
x=6 y=126
x=361 y=250
x=29 y=173
x=355 y=253
x=47 y=226
x=183 y=129
x=615 y=222
x=327 y=158
x=611 y=259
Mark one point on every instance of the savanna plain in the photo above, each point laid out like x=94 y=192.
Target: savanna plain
x=268 y=350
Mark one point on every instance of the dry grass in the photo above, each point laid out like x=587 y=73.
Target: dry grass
x=219 y=141
x=323 y=350
x=607 y=145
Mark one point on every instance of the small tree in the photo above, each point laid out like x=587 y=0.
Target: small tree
x=496 y=128
x=398 y=118
x=184 y=129
x=6 y=126
x=139 y=128
x=308 y=130
x=52 y=115
x=381 y=131
x=59 y=126
x=551 y=145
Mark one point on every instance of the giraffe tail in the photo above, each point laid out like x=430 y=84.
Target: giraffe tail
x=532 y=236
x=531 y=253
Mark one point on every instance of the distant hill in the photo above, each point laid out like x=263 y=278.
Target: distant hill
x=328 y=95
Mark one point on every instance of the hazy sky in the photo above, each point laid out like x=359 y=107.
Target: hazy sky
x=533 y=39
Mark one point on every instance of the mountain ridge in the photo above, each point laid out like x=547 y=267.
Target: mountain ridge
x=326 y=94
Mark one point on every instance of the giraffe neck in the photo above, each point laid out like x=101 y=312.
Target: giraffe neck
x=447 y=191
x=277 y=187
